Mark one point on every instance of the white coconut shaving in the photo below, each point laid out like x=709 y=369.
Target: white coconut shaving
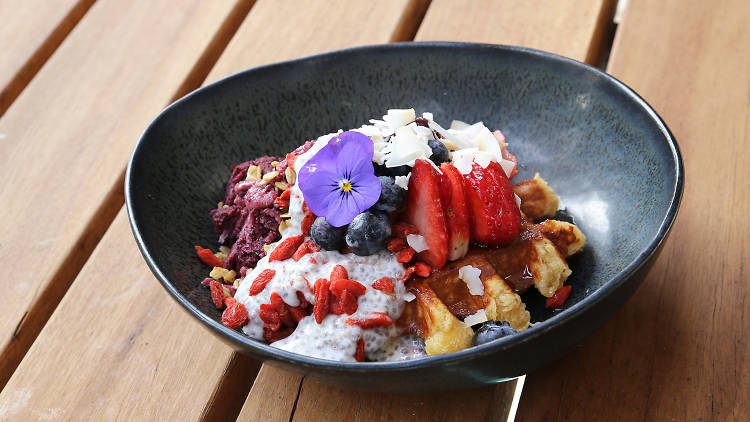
x=470 y=276
x=403 y=181
x=408 y=296
x=417 y=242
x=479 y=317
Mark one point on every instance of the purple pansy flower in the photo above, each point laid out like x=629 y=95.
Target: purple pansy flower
x=339 y=181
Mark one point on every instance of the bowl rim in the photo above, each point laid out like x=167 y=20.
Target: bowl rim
x=265 y=351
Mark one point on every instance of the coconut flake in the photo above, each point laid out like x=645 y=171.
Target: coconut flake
x=470 y=275
x=483 y=158
x=459 y=125
x=403 y=181
x=462 y=159
x=518 y=201
x=507 y=166
x=427 y=115
x=397 y=118
x=409 y=296
x=487 y=143
x=405 y=147
x=417 y=242
x=479 y=317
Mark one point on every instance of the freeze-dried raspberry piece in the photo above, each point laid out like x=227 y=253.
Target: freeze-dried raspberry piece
x=217 y=294
x=409 y=273
x=396 y=244
x=235 y=316
x=261 y=281
x=286 y=249
x=384 y=284
x=373 y=320
x=402 y=229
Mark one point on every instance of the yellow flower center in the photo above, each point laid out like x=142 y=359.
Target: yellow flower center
x=345 y=185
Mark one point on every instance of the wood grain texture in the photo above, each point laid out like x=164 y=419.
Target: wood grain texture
x=679 y=349
x=30 y=31
x=278 y=30
x=572 y=28
x=321 y=402
x=273 y=396
x=118 y=347
x=68 y=137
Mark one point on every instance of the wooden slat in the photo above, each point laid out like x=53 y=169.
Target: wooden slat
x=273 y=396
x=117 y=347
x=30 y=31
x=520 y=23
x=570 y=28
x=68 y=138
x=679 y=349
x=311 y=28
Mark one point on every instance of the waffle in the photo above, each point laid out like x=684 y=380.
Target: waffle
x=536 y=258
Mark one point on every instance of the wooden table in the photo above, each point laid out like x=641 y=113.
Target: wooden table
x=87 y=333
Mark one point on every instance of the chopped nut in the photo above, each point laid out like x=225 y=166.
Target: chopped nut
x=283 y=225
x=230 y=275
x=282 y=186
x=221 y=255
x=224 y=249
x=226 y=291
x=291 y=175
x=254 y=173
x=286 y=215
x=268 y=177
x=266 y=248
x=236 y=283
x=220 y=204
x=218 y=273
x=274 y=164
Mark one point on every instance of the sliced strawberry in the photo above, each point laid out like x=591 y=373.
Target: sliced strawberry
x=456 y=213
x=506 y=154
x=424 y=211
x=494 y=217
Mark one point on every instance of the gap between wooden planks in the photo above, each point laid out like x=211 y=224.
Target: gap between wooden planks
x=678 y=350
x=570 y=28
x=31 y=31
x=69 y=135
x=35 y=383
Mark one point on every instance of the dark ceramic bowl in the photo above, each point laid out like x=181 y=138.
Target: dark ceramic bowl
x=606 y=153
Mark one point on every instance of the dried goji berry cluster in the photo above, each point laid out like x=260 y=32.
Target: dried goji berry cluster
x=406 y=253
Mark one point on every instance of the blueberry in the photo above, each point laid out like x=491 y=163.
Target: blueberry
x=368 y=233
x=326 y=236
x=492 y=330
x=440 y=153
x=392 y=196
x=564 y=215
x=382 y=170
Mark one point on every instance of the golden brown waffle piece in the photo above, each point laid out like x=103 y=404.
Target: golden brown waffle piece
x=538 y=200
x=536 y=258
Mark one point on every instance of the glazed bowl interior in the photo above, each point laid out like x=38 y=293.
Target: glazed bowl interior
x=603 y=150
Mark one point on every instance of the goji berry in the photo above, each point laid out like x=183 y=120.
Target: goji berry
x=406 y=255
x=558 y=299
x=384 y=284
x=270 y=316
x=373 y=320
x=402 y=229
x=339 y=273
x=261 y=281
x=422 y=269
x=229 y=300
x=349 y=303
x=408 y=274
x=353 y=287
x=286 y=249
x=235 y=316
x=303 y=303
x=298 y=313
x=217 y=294
x=272 y=336
x=304 y=249
x=313 y=261
x=307 y=222
x=322 y=300
x=359 y=354
x=304 y=206
x=282 y=309
x=396 y=244
x=208 y=257
x=282 y=201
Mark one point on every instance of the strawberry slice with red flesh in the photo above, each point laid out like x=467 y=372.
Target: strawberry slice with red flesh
x=456 y=212
x=494 y=217
x=424 y=211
